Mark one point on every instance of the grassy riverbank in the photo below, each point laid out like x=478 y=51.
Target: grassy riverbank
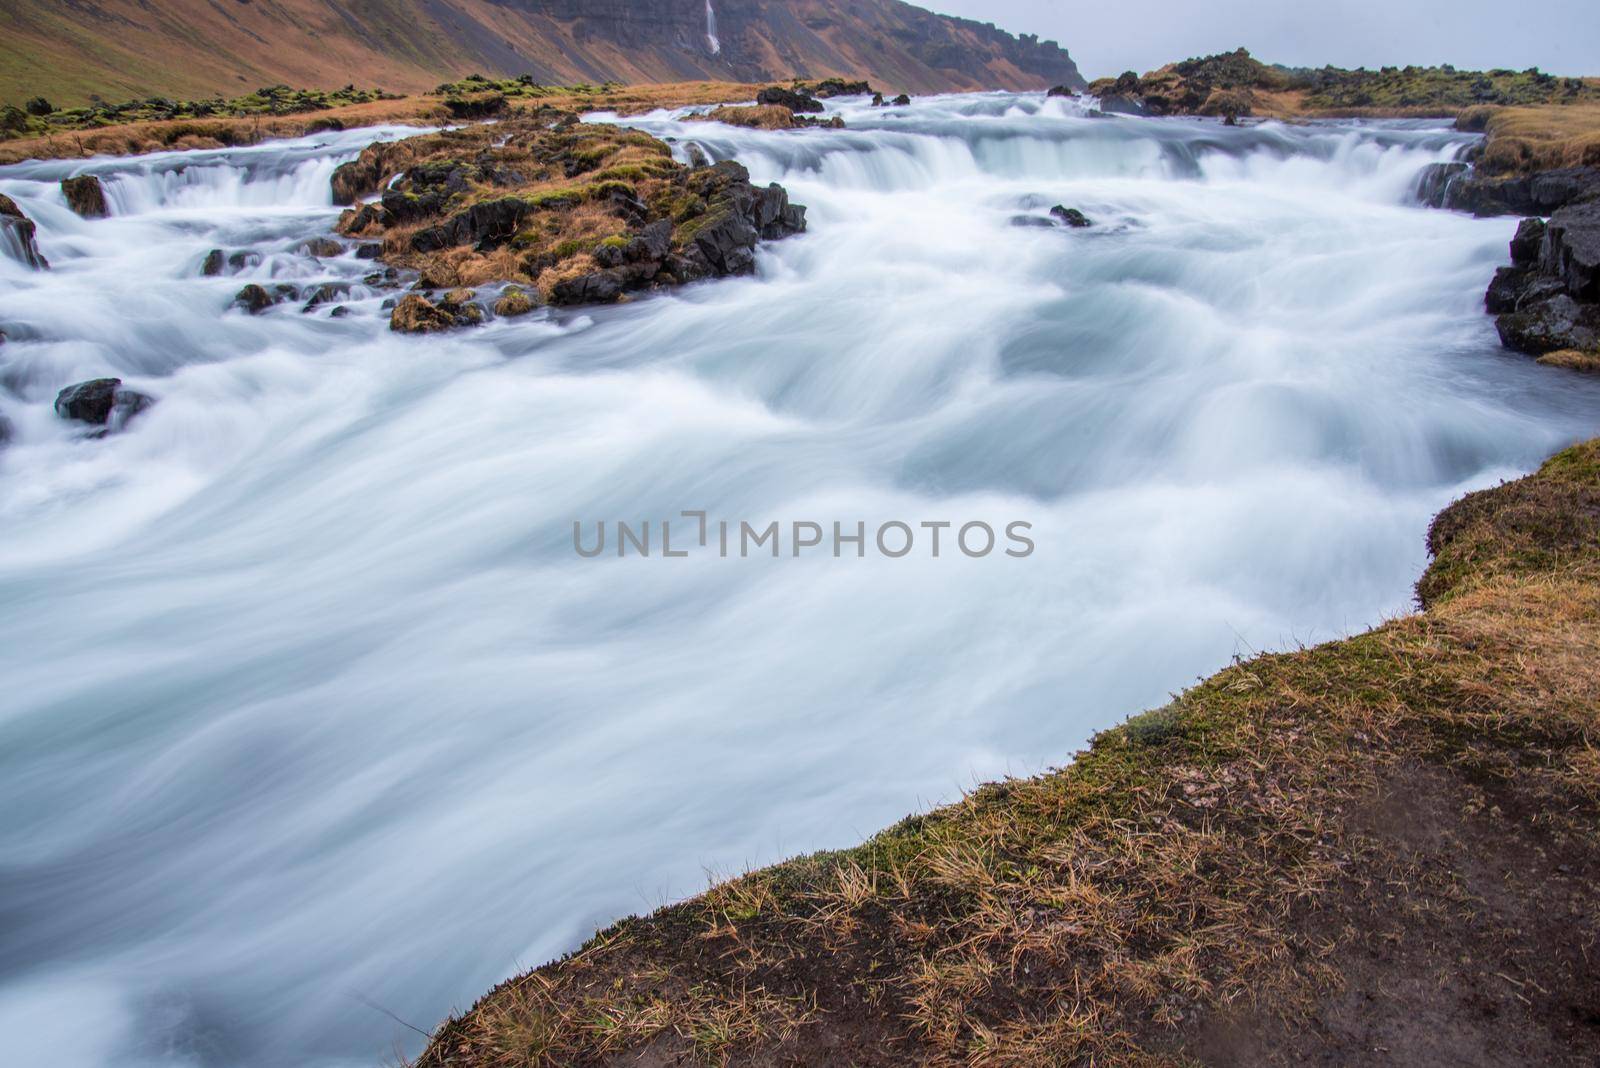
x=215 y=124
x=1382 y=846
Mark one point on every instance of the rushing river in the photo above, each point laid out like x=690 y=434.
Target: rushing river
x=312 y=715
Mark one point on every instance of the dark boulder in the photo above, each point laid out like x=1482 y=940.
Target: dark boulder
x=327 y=293
x=1123 y=104
x=255 y=299
x=369 y=250
x=830 y=87
x=321 y=248
x=1558 y=322
x=101 y=402
x=1061 y=90
x=1539 y=194
x=1505 y=289
x=1071 y=216
x=213 y=264
x=1570 y=250
x=900 y=101
x=651 y=243
x=596 y=287
x=85 y=195
x=487 y=224
x=1433 y=184
x=1525 y=244
x=794 y=100
x=17 y=235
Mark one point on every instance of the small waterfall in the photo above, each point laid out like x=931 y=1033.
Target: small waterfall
x=711 y=29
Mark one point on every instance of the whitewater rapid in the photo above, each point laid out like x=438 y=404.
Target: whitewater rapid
x=314 y=719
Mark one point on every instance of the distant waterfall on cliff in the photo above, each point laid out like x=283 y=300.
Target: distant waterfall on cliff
x=711 y=29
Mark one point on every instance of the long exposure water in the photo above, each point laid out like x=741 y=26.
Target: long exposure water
x=312 y=715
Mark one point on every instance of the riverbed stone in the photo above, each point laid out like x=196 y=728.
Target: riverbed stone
x=85 y=195
x=101 y=402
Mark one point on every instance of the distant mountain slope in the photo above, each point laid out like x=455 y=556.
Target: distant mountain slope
x=188 y=48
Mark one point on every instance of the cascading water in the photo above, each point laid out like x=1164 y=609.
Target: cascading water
x=311 y=708
x=711 y=30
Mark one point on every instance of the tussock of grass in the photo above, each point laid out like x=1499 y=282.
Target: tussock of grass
x=1203 y=859
x=1523 y=140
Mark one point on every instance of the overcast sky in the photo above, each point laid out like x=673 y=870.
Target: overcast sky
x=1559 y=36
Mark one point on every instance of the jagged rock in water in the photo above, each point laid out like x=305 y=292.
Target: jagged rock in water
x=85 y=195
x=1123 y=104
x=1433 y=184
x=1570 y=250
x=17 y=233
x=830 y=87
x=1538 y=194
x=1549 y=299
x=416 y=314
x=256 y=299
x=1556 y=322
x=1071 y=216
x=900 y=101
x=212 y=265
x=327 y=293
x=1527 y=241
x=778 y=96
x=101 y=402
x=1504 y=290
x=321 y=248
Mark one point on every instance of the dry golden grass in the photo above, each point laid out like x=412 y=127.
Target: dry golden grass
x=426 y=110
x=1215 y=859
x=756 y=116
x=1524 y=140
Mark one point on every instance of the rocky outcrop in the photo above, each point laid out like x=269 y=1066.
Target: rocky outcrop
x=101 y=402
x=1548 y=300
x=1228 y=85
x=1458 y=187
x=798 y=102
x=255 y=299
x=417 y=314
x=583 y=213
x=1071 y=216
x=17 y=235
x=86 y=196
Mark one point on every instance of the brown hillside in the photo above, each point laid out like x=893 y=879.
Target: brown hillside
x=196 y=48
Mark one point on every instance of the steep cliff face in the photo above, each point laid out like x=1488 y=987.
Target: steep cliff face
x=120 y=48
